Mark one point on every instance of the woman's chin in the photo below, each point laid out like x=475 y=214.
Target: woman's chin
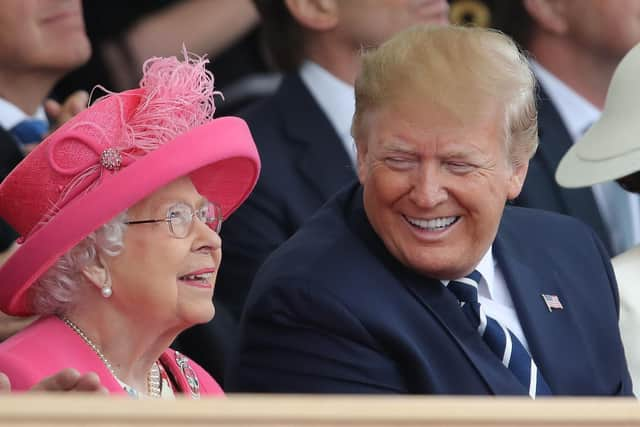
x=202 y=314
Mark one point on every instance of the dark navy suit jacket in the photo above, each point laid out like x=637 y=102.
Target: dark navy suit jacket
x=331 y=311
x=10 y=156
x=303 y=163
x=540 y=188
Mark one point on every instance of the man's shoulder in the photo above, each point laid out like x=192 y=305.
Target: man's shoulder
x=535 y=219
x=537 y=228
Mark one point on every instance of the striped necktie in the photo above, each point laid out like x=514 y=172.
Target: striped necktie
x=500 y=340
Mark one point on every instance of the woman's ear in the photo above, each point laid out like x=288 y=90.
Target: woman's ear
x=98 y=275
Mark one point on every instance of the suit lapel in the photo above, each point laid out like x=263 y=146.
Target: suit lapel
x=444 y=307
x=551 y=335
x=322 y=159
x=555 y=141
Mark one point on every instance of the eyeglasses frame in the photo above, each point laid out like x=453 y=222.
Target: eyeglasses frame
x=218 y=210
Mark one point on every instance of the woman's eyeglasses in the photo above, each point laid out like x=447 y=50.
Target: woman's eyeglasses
x=180 y=218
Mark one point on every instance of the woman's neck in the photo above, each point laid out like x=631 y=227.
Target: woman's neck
x=129 y=345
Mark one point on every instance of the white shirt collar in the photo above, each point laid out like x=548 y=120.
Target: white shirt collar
x=10 y=115
x=336 y=99
x=576 y=112
x=487 y=268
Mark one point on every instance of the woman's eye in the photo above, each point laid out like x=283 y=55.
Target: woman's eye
x=202 y=214
x=178 y=213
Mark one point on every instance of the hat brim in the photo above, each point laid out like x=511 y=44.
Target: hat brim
x=222 y=172
x=593 y=160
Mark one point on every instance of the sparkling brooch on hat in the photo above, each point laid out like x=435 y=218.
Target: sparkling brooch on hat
x=111 y=159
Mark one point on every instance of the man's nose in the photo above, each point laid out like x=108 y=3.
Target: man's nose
x=428 y=188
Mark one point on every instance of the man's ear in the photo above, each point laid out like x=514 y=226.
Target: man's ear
x=361 y=159
x=319 y=15
x=516 y=181
x=98 y=274
x=548 y=14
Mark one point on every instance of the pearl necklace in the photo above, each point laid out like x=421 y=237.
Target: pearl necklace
x=154 y=379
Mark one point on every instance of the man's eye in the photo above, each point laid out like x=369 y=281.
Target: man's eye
x=459 y=167
x=399 y=162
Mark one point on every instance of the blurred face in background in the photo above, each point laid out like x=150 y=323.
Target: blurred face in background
x=42 y=36
x=367 y=23
x=605 y=27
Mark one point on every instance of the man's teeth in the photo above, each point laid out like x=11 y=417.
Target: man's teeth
x=202 y=277
x=433 y=224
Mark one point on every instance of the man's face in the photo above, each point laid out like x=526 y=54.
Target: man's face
x=42 y=36
x=608 y=28
x=368 y=23
x=435 y=186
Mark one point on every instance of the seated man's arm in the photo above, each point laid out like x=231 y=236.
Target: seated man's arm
x=292 y=341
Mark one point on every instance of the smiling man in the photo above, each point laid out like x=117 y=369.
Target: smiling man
x=417 y=279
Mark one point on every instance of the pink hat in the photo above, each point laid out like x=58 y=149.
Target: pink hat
x=114 y=154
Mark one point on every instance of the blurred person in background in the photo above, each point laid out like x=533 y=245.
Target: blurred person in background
x=575 y=46
x=124 y=33
x=609 y=152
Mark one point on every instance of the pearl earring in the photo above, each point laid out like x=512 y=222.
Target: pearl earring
x=106 y=291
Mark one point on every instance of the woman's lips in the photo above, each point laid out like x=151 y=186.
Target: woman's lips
x=202 y=278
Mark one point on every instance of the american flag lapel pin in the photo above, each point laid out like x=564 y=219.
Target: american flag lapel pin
x=552 y=302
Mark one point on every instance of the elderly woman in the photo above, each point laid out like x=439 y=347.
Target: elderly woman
x=610 y=150
x=119 y=212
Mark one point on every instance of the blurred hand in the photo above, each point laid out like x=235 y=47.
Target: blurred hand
x=59 y=113
x=71 y=380
x=65 y=380
x=5 y=385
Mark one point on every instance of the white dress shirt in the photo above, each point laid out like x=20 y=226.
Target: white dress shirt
x=578 y=114
x=10 y=115
x=495 y=298
x=336 y=99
